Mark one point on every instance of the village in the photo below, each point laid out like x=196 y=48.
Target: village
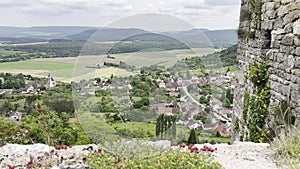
x=180 y=99
x=182 y=93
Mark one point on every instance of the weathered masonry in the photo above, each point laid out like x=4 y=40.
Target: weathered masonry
x=269 y=33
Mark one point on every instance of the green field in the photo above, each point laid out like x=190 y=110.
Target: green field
x=163 y=58
x=63 y=68
x=33 y=65
x=8 y=52
x=38 y=68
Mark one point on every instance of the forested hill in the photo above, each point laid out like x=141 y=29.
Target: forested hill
x=228 y=55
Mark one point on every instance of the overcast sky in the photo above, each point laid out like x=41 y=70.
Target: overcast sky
x=212 y=14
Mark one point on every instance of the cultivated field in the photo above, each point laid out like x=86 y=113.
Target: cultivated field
x=63 y=68
x=8 y=52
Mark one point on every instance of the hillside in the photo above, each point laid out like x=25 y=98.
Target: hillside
x=217 y=38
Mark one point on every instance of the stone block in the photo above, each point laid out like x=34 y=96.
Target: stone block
x=282 y=10
x=297 y=40
x=296 y=27
x=290 y=62
x=294 y=6
x=297 y=62
x=278 y=23
x=276 y=4
x=288 y=28
x=278 y=79
x=277 y=95
x=297 y=51
x=291 y=17
x=286 y=1
x=267 y=25
x=288 y=39
x=268 y=6
x=296 y=72
x=294 y=15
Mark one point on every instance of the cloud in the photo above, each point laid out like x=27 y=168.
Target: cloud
x=115 y=2
x=194 y=5
x=95 y=12
x=164 y=7
x=13 y=3
x=221 y=2
x=184 y=11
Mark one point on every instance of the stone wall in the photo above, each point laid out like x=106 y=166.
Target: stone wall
x=270 y=28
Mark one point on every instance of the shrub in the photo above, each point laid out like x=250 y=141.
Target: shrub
x=7 y=131
x=245 y=14
x=192 y=138
x=175 y=159
x=256 y=103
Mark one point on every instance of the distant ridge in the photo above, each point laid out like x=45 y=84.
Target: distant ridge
x=41 y=32
x=218 y=38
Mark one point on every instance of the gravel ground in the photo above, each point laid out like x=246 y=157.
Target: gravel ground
x=244 y=155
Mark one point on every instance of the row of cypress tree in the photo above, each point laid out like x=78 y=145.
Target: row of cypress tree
x=166 y=126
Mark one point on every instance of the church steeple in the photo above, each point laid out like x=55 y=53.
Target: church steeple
x=51 y=81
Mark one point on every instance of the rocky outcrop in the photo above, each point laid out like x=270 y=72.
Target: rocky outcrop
x=44 y=156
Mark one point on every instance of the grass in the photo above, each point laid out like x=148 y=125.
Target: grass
x=219 y=139
x=135 y=129
x=8 y=52
x=88 y=73
x=35 y=65
x=144 y=58
x=64 y=73
x=60 y=71
x=287 y=148
x=163 y=58
x=286 y=144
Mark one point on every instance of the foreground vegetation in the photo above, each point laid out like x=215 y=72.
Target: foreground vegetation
x=168 y=158
x=287 y=143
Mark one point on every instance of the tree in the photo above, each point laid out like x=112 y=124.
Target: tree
x=6 y=107
x=59 y=102
x=174 y=119
x=166 y=125
x=98 y=80
x=223 y=96
x=200 y=117
x=229 y=95
x=203 y=100
x=227 y=103
x=158 y=125
x=29 y=104
x=192 y=138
